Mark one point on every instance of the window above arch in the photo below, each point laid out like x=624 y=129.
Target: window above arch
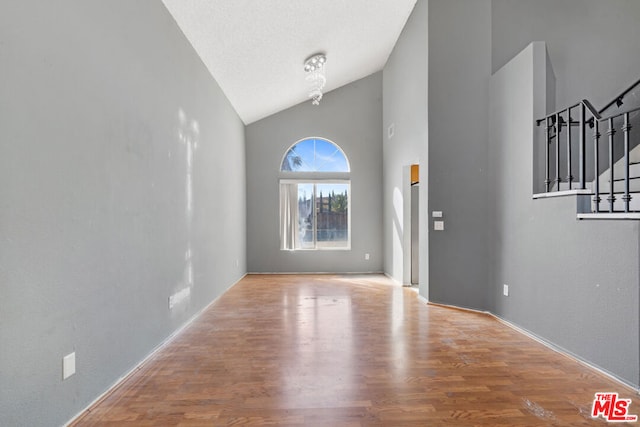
x=314 y=155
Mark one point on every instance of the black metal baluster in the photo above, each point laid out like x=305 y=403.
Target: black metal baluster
x=546 y=153
x=569 y=176
x=558 y=130
x=596 y=157
x=612 y=198
x=626 y=128
x=582 y=159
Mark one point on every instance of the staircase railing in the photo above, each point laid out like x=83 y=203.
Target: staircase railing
x=587 y=119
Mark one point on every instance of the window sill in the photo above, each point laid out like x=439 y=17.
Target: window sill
x=316 y=250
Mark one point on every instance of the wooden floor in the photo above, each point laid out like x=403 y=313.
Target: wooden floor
x=334 y=350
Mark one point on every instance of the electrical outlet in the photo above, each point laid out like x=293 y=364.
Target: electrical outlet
x=68 y=365
x=437 y=214
x=438 y=225
x=391 y=130
x=366 y=257
x=505 y=290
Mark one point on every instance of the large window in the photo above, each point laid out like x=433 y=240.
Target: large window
x=315 y=195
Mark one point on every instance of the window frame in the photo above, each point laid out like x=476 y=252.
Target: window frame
x=344 y=155
x=315 y=178
x=315 y=182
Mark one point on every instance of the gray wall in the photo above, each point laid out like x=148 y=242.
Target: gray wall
x=99 y=103
x=572 y=282
x=459 y=70
x=351 y=117
x=566 y=276
x=404 y=107
x=593 y=44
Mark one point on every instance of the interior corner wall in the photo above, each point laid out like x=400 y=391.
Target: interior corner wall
x=351 y=117
x=572 y=283
x=459 y=46
x=578 y=290
x=122 y=175
x=592 y=44
x=405 y=110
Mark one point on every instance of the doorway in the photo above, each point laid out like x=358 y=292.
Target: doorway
x=415 y=230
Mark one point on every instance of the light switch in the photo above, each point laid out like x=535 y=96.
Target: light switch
x=438 y=225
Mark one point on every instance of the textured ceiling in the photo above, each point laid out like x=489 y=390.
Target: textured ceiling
x=255 y=49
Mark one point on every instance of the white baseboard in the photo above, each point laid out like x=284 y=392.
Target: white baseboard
x=275 y=273
x=153 y=352
x=393 y=279
x=564 y=352
x=513 y=326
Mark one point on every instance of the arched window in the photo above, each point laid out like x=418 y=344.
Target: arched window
x=315 y=196
x=314 y=155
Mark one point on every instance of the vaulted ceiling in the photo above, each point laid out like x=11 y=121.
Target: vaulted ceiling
x=255 y=49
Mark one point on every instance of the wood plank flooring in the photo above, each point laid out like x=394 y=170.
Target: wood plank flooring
x=333 y=350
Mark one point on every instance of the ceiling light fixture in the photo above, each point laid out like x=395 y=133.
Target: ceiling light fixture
x=314 y=67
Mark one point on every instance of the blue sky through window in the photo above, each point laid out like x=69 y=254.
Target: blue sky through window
x=315 y=155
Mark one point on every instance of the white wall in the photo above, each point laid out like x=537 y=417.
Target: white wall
x=404 y=108
x=350 y=117
x=101 y=103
